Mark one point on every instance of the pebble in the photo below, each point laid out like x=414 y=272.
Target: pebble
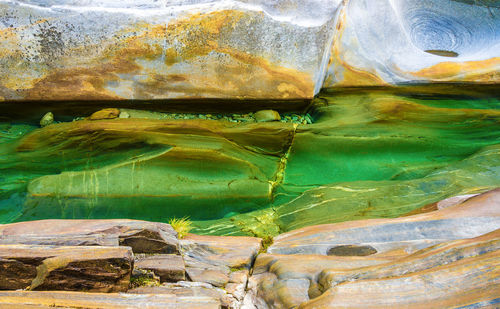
x=124 y=115
x=260 y=116
x=107 y=113
x=47 y=119
x=267 y=115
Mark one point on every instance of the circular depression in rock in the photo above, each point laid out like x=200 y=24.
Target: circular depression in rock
x=351 y=250
x=449 y=28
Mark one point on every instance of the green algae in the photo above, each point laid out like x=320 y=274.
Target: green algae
x=366 y=154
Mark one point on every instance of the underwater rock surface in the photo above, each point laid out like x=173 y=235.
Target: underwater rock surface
x=366 y=154
x=113 y=50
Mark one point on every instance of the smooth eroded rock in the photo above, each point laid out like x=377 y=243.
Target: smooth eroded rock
x=97 y=269
x=151 y=50
x=442 y=258
x=267 y=116
x=23 y=300
x=451 y=274
x=474 y=217
x=212 y=259
x=107 y=113
x=141 y=236
x=381 y=43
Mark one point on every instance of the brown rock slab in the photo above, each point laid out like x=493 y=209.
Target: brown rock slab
x=36 y=299
x=107 y=113
x=215 y=277
x=62 y=240
x=141 y=236
x=169 y=267
x=211 y=259
x=228 y=251
x=98 y=269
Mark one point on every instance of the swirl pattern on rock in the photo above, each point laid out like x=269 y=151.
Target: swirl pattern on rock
x=390 y=42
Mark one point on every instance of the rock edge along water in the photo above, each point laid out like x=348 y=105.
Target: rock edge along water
x=252 y=49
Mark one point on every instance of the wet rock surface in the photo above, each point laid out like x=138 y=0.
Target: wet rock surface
x=421 y=266
x=441 y=258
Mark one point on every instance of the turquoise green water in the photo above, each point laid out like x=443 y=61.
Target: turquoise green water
x=369 y=153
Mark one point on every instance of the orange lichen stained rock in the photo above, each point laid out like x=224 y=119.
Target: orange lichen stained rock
x=486 y=71
x=351 y=76
x=190 y=57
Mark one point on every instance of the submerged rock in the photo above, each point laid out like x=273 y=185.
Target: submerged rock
x=47 y=119
x=207 y=166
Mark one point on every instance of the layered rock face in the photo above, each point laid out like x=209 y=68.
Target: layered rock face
x=431 y=260
x=108 y=50
x=438 y=259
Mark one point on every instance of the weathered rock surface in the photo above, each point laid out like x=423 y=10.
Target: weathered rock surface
x=97 y=269
x=444 y=258
x=191 y=289
x=141 y=236
x=214 y=259
x=383 y=42
x=169 y=267
x=474 y=217
x=23 y=300
x=152 y=50
x=235 y=49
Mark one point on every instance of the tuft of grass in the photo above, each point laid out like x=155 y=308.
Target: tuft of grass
x=181 y=225
x=143 y=280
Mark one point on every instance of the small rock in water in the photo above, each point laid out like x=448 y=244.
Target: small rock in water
x=267 y=115
x=107 y=113
x=47 y=119
x=124 y=115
